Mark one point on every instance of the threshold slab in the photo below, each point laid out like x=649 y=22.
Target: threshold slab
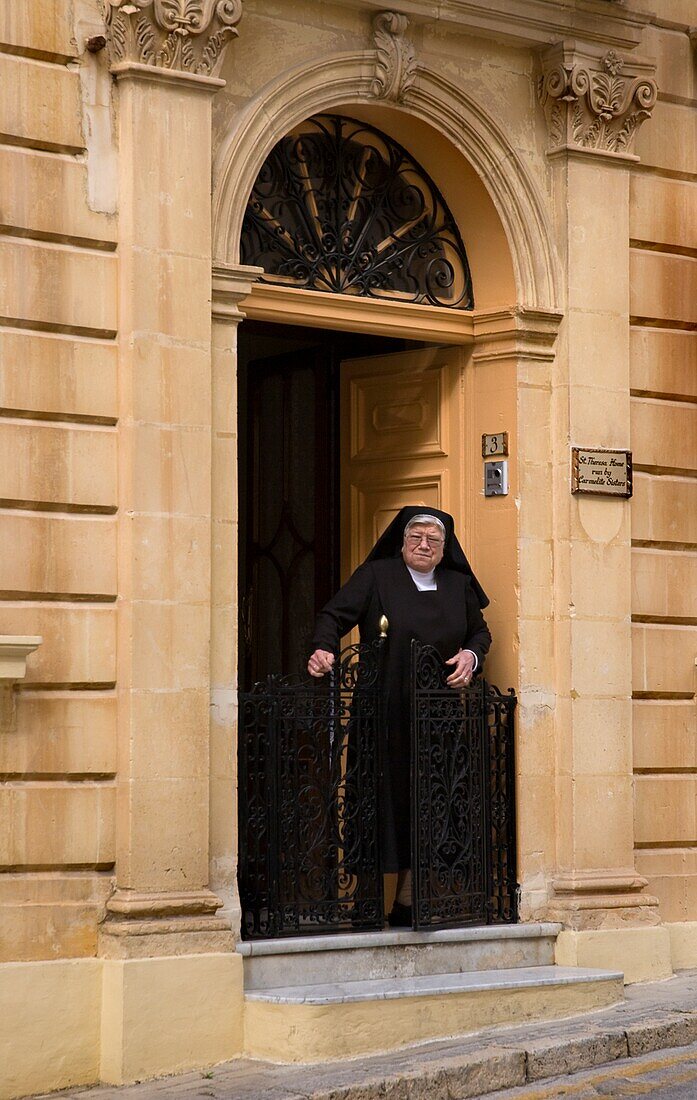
x=352 y=941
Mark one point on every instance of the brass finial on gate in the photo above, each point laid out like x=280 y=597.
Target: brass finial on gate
x=383 y=624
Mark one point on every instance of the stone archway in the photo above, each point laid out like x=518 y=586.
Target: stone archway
x=517 y=323
x=337 y=80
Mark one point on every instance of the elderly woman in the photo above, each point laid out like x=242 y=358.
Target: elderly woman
x=418 y=576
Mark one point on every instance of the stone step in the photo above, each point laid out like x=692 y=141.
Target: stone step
x=328 y=1020
x=389 y=989
x=358 y=956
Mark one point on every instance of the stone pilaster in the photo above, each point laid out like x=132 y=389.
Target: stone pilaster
x=230 y=286
x=510 y=390
x=163 y=54
x=594 y=105
x=163 y=942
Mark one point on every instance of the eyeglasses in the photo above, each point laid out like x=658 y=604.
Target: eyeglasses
x=432 y=540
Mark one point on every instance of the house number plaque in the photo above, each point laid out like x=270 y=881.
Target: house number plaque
x=494 y=445
x=604 y=472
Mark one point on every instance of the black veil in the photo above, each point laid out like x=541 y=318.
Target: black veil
x=389 y=545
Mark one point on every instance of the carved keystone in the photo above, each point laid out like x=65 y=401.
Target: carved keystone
x=595 y=103
x=395 y=69
x=183 y=35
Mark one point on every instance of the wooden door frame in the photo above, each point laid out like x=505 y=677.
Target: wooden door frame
x=371 y=316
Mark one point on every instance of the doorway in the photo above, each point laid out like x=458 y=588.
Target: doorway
x=290 y=500
x=337 y=431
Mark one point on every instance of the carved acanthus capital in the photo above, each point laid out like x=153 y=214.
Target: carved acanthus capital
x=595 y=103
x=395 y=69
x=182 y=35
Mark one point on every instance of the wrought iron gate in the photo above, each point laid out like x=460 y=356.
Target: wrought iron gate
x=310 y=790
x=463 y=799
x=309 y=768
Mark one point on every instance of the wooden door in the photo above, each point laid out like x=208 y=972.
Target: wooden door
x=289 y=533
x=400 y=442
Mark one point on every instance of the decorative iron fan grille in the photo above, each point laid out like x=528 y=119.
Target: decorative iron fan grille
x=340 y=207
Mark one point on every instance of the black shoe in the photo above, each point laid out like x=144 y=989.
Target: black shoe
x=400 y=916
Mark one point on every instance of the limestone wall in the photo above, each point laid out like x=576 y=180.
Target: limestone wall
x=58 y=492
x=663 y=307
x=118 y=495
x=59 y=457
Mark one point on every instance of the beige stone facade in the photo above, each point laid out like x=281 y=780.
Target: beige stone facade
x=563 y=138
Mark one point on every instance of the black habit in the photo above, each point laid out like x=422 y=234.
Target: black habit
x=449 y=619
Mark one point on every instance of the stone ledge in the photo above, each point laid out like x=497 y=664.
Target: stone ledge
x=14 y=650
x=528 y=22
x=352 y=941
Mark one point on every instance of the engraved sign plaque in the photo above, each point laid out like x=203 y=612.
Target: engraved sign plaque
x=601 y=471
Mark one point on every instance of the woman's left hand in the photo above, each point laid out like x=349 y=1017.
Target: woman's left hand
x=464 y=668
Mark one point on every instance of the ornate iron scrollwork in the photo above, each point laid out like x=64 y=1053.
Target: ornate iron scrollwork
x=503 y=887
x=340 y=207
x=309 y=801
x=448 y=796
x=463 y=796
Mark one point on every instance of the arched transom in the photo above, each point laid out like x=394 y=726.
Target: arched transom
x=340 y=207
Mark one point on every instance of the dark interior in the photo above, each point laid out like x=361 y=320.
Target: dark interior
x=289 y=507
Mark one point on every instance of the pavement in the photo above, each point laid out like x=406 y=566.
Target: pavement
x=647 y=1044
x=671 y=1075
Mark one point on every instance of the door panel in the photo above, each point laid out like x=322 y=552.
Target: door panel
x=397 y=409
x=400 y=430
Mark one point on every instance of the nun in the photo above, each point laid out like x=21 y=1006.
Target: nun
x=419 y=578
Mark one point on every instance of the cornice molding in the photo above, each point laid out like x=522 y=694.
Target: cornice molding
x=515 y=333
x=175 y=36
x=536 y=23
x=595 y=104
x=231 y=284
x=619 y=880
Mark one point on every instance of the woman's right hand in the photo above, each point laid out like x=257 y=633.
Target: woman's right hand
x=320 y=663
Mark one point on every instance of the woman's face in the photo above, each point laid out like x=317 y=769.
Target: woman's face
x=423 y=547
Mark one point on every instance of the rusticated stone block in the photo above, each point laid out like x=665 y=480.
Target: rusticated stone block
x=548 y=1058
x=54 y=286
x=40 y=103
x=44 y=25
x=662 y=1032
